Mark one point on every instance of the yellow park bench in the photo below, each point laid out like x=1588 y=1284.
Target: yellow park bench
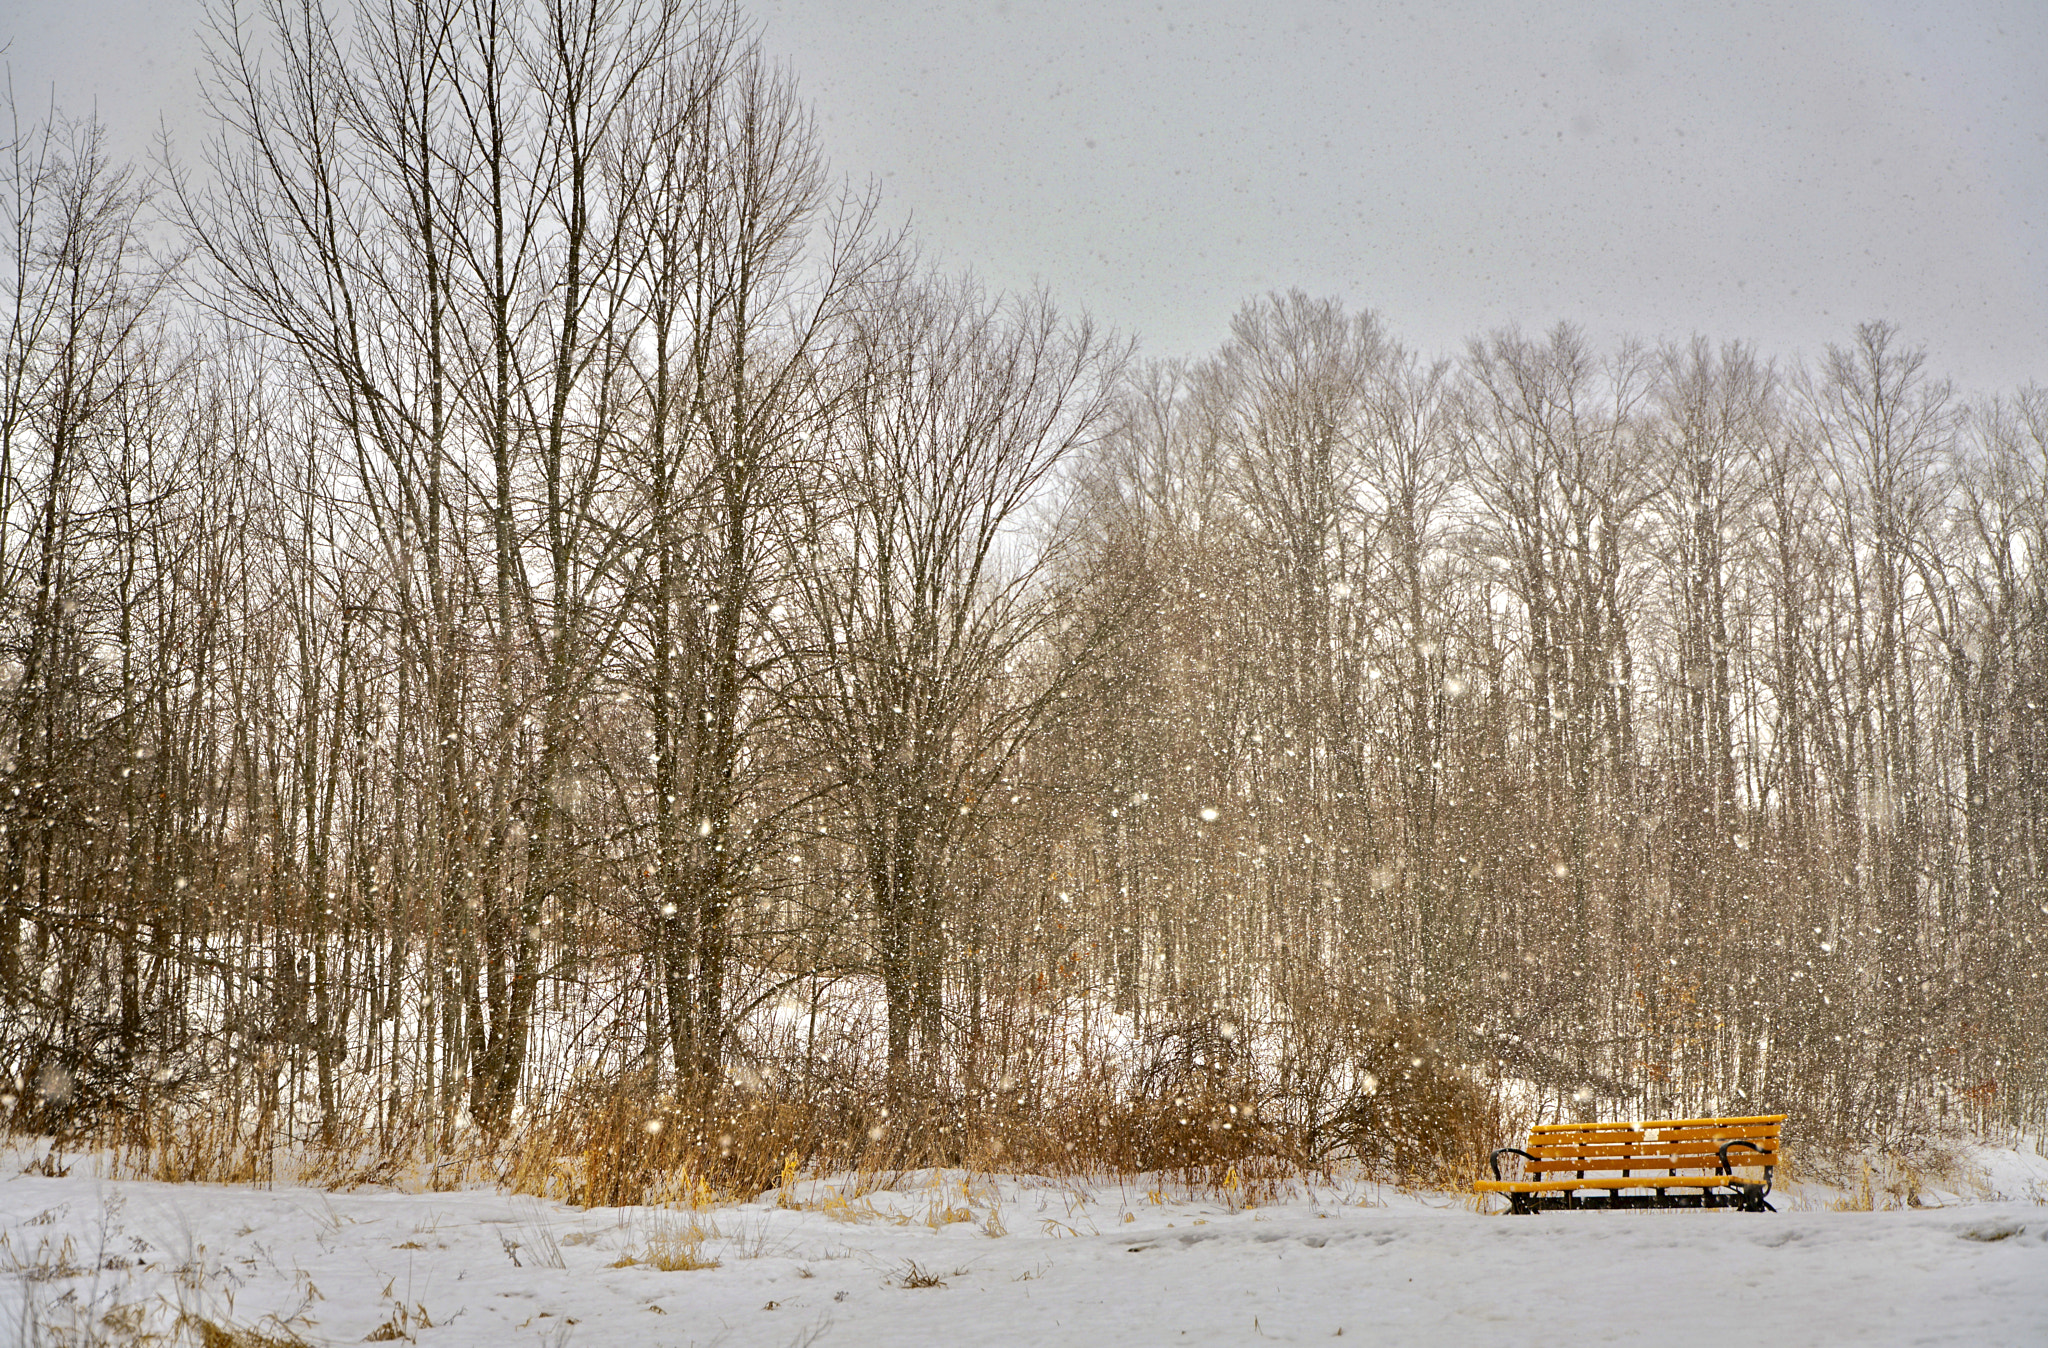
x=1667 y=1163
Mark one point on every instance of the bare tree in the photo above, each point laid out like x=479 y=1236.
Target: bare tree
x=1288 y=399
x=751 y=268
x=417 y=209
x=1558 y=469
x=933 y=607
x=77 y=380
x=1881 y=429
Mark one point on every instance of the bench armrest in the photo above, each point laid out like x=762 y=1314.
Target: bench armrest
x=1753 y=1147
x=1494 y=1160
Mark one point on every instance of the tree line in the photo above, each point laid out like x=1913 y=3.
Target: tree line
x=510 y=534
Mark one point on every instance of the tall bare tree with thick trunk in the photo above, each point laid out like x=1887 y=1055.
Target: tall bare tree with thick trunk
x=1881 y=431
x=936 y=615
x=751 y=269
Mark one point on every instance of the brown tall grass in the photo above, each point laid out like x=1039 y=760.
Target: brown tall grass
x=1194 y=1108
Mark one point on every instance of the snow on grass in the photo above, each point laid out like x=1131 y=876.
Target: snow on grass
x=958 y=1259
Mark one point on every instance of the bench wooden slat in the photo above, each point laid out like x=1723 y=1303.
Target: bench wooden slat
x=1635 y=1168
x=1610 y=1142
x=1653 y=1156
x=1601 y=1182
x=1662 y=1156
x=1659 y=1123
x=1652 y=1137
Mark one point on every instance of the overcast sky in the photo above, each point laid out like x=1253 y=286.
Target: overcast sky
x=1775 y=172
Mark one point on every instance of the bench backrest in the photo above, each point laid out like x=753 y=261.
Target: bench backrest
x=1661 y=1144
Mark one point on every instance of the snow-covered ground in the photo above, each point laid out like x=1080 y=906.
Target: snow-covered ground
x=1016 y=1261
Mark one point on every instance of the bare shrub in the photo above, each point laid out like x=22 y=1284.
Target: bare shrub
x=1407 y=1107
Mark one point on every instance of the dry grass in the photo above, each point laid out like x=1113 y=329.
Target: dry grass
x=1881 y=1179
x=632 y=1139
x=212 y=1334
x=913 y=1275
x=1193 y=1111
x=673 y=1247
x=107 y=1314
x=402 y=1326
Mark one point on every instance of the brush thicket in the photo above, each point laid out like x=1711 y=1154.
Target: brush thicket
x=1193 y=1103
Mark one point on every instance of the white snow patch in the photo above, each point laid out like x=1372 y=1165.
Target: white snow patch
x=1022 y=1261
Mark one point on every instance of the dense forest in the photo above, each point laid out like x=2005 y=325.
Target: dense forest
x=516 y=593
